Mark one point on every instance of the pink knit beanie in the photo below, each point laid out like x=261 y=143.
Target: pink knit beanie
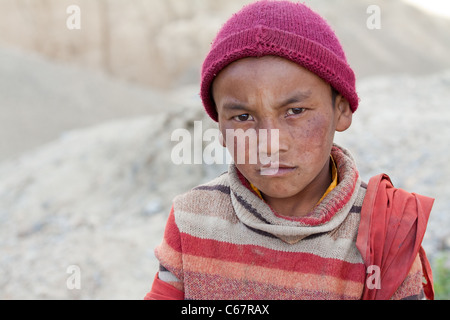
x=285 y=29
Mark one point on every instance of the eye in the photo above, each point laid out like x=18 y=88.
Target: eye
x=243 y=117
x=295 y=111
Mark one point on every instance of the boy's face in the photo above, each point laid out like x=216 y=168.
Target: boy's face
x=274 y=93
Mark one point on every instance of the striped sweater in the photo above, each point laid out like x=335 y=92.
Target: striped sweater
x=224 y=242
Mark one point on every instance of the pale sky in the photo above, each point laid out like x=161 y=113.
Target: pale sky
x=440 y=7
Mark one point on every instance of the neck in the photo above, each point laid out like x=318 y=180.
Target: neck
x=302 y=203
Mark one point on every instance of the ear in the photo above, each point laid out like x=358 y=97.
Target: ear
x=344 y=114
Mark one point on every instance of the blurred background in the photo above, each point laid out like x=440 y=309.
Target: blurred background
x=86 y=117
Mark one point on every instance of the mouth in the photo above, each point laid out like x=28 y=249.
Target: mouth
x=276 y=169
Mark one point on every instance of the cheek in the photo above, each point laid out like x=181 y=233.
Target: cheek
x=313 y=139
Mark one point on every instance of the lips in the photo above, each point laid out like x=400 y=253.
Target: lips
x=276 y=169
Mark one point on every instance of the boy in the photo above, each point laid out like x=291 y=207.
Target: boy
x=301 y=225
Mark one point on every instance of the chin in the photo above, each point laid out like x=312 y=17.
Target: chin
x=279 y=193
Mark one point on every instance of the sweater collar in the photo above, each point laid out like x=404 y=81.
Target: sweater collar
x=326 y=215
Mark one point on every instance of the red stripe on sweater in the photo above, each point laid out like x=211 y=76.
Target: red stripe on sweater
x=221 y=288
x=172 y=233
x=260 y=256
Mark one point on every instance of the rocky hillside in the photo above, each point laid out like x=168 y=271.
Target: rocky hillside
x=162 y=42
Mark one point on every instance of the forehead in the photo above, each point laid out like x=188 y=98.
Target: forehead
x=267 y=74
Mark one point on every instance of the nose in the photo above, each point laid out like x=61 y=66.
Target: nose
x=269 y=138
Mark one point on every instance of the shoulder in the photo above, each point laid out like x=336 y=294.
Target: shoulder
x=210 y=199
x=381 y=195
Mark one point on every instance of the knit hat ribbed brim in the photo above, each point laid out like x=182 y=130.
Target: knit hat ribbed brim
x=285 y=29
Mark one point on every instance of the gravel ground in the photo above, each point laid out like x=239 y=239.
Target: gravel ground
x=97 y=198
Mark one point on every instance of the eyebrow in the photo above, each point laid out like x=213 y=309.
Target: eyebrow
x=299 y=96
x=235 y=106
x=295 y=98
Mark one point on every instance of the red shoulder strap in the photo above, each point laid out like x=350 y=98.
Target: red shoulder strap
x=392 y=227
x=163 y=291
x=426 y=269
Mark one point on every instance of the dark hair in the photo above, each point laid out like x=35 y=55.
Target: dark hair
x=334 y=94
